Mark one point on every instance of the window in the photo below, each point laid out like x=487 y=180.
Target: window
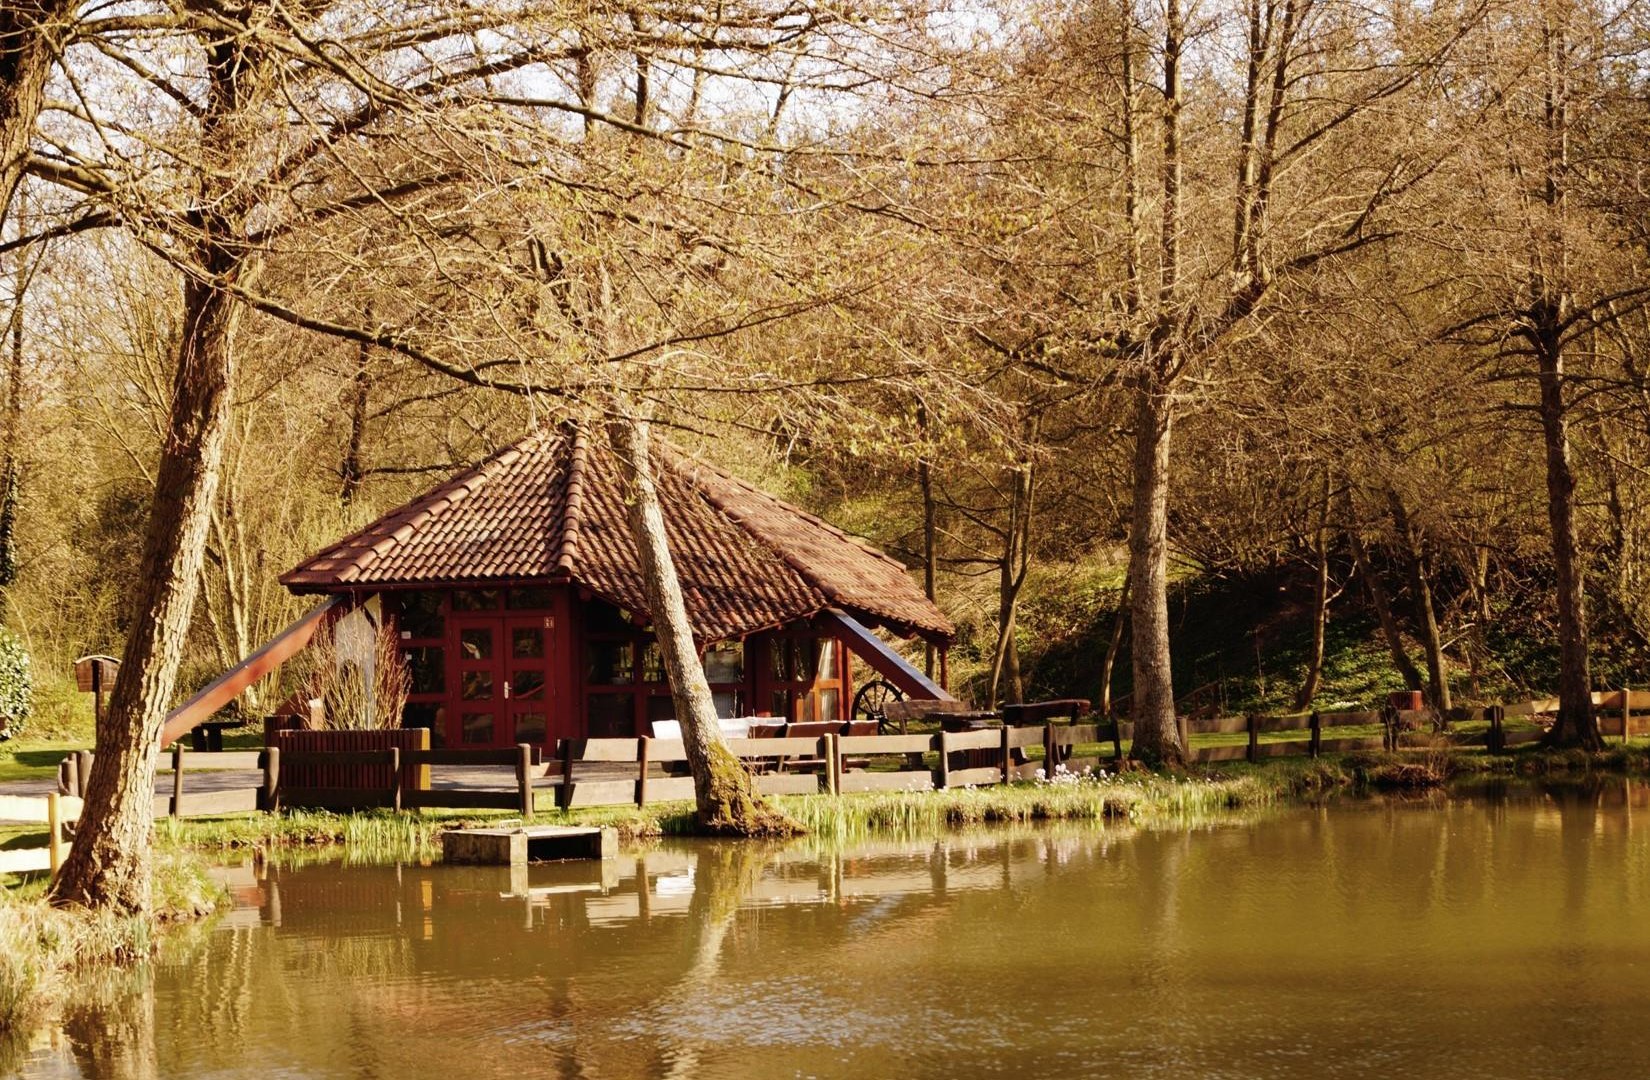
x=610 y=663
x=475 y=599
x=426 y=669
x=533 y=598
x=419 y=615
x=610 y=716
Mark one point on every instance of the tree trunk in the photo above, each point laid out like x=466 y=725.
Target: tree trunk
x=1016 y=561
x=1156 y=734
x=108 y=864
x=725 y=797
x=1576 y=725
x=1383 y=611
x=1320 y=609
x=1113 y=646
x=925 y=484
x=1426 y=617
x=351 y=469
x=31 y=33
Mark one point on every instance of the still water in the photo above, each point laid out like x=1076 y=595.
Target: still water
x=1497 y=936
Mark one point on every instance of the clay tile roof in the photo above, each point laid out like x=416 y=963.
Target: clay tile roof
x=552 y=506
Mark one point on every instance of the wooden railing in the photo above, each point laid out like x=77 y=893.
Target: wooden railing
x=828 y=764
x=53 y=811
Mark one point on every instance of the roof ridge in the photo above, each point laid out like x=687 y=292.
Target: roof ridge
x=572 y=515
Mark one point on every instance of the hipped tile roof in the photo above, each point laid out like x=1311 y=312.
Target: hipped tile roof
x=552 y=506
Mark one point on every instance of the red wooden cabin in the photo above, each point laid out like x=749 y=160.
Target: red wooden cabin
x=515 y=590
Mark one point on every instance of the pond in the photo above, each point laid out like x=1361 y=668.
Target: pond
x=1501 y=935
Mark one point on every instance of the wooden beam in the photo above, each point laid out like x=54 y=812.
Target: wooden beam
x=226 y=687
x=883 y=660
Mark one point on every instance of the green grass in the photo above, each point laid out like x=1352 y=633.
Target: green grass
x=27 y=758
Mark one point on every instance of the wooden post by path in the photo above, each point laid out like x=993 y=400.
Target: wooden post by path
x=1051 y=751
x=1495 y=740
x=395 y=778
x=272 y=780
x=564 y=793
x=1252 y=722
x=643 y=752
x=176 y=809
x=1008 y=755
x=524 y=778
x=1626 y=716
x=833 y=764
x=945 y=762
x=1316 y=725
x=83 y=761
x=54 y=834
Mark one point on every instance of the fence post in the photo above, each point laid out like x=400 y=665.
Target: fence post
x=564 y=793
x=1495 y=741
x=272 y=779
x=65 y=770
x=1051 y=752
x=833 y=764
x=1315 y=725
x=1252 y=722
x=945 y=762
x=1008 y=766
x=644 y=751
x=395 y=778
x=524 y=778
x=1626 y=716
x=176 y=808
x=54 y=834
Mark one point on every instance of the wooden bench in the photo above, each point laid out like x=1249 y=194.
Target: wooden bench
x=207 y=736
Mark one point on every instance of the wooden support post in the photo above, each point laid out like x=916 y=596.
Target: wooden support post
x=84 y=759
x=945 y=762
x=65 y=775
x=1051 y=752
x=395 y=778
x=272 y=779
x=176 y=809
x=1008 y=756
x=1626 y=716
x=833 y=764
x=564 y=793
x=1496 y=738
x=524 y=778
x=1252 y=722
x=1117 y=738
x=644 y=751
x=54 y=834
x=1316 y=724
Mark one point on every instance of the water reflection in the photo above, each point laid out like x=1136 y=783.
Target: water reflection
x=1508 y=928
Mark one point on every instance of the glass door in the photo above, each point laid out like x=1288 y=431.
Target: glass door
x=527 y=642
x=477 y=718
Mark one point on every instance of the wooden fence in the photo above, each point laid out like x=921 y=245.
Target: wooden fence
x=52 y=811
x=828 y=764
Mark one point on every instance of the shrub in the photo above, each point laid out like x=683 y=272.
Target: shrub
x=16 y=686
x=352 y=696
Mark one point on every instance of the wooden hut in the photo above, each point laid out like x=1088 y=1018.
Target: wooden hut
x=515 y=591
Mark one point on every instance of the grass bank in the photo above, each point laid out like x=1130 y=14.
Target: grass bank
x=45 y=952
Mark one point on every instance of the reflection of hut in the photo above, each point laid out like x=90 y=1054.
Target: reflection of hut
x=516 y=592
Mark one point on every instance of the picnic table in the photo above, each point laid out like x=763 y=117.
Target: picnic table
x=207 y=736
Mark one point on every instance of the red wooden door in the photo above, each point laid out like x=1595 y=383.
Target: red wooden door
x=529 y=691
x=502 y=690
x=476 y=716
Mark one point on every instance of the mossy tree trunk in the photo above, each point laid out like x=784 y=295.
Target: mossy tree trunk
x=108 y=864
x=724 y=792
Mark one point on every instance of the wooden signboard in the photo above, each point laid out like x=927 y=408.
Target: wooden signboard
x=95 y=675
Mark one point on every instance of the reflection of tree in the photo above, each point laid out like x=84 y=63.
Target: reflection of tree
x=111 y=1028
x=725 y=875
